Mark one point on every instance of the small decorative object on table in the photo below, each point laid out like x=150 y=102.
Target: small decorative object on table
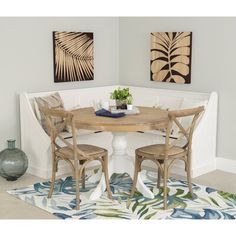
x=122 y=96
x=105 y=105
x=133 y=111
x=129 y=103
x=106 y=113
x=13 y=162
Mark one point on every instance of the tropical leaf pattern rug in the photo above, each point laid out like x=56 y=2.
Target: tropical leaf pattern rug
x=207 y=203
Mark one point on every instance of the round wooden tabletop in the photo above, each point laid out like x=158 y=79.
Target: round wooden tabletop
x=148 y=119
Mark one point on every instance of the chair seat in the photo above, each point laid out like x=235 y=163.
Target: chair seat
x=157 y=150
x=89 y=150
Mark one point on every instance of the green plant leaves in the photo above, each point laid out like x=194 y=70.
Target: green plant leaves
x=121 y=94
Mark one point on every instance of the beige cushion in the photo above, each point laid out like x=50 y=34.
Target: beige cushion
x=52 y=101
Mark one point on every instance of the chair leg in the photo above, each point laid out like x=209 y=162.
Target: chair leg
x=105 y=170
x=189 y=178
x=159 y=177
x=83 y=178
x=77 y=178
x=165 y=174
x=53 y=178
x=136 y=170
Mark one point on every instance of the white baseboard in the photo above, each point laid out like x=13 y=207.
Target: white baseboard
x=178 y=168
x=225 y=164
x=63 y=169
x=47 y=173
x=208 y=167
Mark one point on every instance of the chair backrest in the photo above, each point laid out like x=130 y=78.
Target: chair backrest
x=55 y=129
x=185 y=132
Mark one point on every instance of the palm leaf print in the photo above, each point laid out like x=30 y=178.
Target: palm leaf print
x=73 y=56
x=171 y=57
x=207 y=202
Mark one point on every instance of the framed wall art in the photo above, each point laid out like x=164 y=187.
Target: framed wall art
x=73 y=56
x=171 y=57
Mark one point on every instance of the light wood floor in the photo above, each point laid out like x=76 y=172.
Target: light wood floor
x=13 y=208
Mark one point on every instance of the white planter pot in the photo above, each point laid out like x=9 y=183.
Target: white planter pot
x=129 y=107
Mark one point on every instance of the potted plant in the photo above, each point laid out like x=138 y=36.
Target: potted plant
x=129 y=103
x=122 y=96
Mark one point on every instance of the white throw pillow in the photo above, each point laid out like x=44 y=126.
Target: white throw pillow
x=171 y=103
x=168 y=102
x=190 y=103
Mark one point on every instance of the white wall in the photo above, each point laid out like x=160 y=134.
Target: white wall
x=122 y=55
x=26 y=60
x=213 y=63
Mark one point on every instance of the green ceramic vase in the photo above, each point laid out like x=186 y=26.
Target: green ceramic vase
x=13 y=162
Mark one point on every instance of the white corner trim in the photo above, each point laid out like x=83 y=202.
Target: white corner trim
x=225 y=164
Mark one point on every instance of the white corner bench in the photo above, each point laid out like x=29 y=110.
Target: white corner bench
x=36 y=143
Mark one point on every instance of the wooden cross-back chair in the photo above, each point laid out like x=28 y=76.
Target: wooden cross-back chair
x=165 y=154
x=72 y=152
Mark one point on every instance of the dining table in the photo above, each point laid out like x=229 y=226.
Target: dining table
x=148 y=118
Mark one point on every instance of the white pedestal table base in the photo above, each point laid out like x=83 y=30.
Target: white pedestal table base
x=120 y=162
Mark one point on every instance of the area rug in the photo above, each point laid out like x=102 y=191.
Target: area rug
x=207 y=203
